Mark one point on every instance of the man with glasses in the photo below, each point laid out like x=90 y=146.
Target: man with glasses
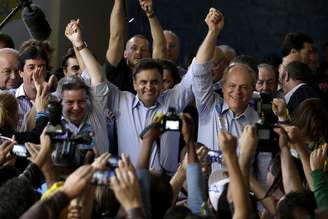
x=9 y=77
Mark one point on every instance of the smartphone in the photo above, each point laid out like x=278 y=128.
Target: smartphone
x=215 y=156
x=20 y=151
x=112 y=162
x=102 y=177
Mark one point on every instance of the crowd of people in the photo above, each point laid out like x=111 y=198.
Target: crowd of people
x=223 y=135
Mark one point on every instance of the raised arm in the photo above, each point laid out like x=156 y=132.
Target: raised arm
x=73 y=33
x=202 y=80
x=228 y=145
x=115 y=48
x=215 y=23
x=248 y=144
x=290 y=177
x=159 y=42
x=320 y=183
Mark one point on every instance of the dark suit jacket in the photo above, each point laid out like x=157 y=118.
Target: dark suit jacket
x=302 y=93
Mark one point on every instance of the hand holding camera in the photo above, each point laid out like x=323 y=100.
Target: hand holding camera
x=77 y=181
x=125 y=185
x=5 y=149
x=279 y=108
x=162 y=123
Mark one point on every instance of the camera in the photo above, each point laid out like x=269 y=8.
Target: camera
x=103 y=176
x=69 y=149
x=20 y=151
x=268 y=139
x=171 y=121
x=215 y=156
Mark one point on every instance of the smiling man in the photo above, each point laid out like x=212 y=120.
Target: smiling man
x=135 y=112
x=232 y=112
x=32 y=60
x=9 y=77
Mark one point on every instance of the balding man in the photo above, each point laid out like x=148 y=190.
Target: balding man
x=9 y=77
x=231 y=112
x=118 y=70
x=172 y=45
x=229 y=53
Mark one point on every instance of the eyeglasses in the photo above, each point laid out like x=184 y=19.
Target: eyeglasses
x=9 y=72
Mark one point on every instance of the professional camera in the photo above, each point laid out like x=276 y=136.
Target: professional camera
x=69 y=148
x=171 y=121
x=268 y=139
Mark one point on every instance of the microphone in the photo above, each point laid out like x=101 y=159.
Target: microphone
x=36 y=22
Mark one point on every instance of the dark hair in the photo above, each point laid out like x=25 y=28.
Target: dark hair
x=146 y=64
x=311 y=117
x=70 y=53
x=299 y=71
x=32 y=52
x=177 y=212
x=7 y=41
x=294 y=41
x=45 y=45
x=17 y=195
x=295 y=201
x=7 y=172
x=160 y=187
x=172 y=68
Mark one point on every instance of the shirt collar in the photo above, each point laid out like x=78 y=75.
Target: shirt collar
x=72 y=126
x=247 y=113
x=291 y=92
x=20 y=92
x=137 y=101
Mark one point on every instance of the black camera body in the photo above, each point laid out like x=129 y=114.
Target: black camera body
x=268 y=139
x=171 y=121
x=69 y=149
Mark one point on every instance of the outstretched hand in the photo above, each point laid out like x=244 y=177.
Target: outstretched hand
x=248 y=142
x=154 y=131
x=214 y=20
x=279 y=108
x=227 y=142
x=77 y=181
x=73 y=32
x=318 y=157
x=125 y=185
x=188 y=128
x=5 y=149
x=283 y=136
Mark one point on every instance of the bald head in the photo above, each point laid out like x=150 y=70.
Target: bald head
x=172 y=45
x=137 y=48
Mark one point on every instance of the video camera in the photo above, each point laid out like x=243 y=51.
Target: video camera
x=69 y=149
x=171 y=121
x=268 y=139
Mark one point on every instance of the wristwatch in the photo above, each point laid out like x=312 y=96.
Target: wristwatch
x=79 y=48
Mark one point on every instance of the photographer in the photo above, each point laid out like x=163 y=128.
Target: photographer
x=190 y=169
